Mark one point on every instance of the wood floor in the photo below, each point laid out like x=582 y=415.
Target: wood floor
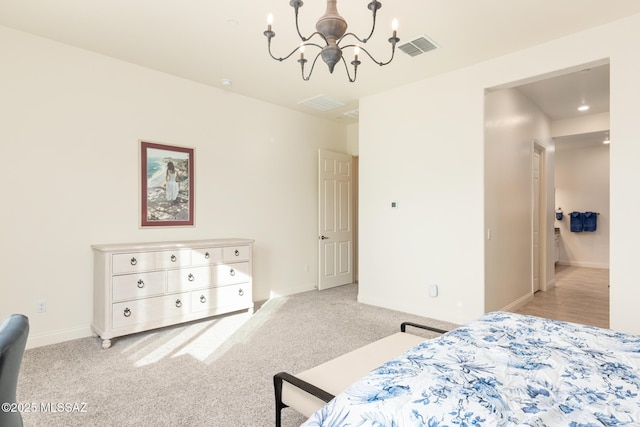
x=581 y=295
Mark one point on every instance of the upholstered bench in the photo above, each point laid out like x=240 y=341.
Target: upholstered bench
x=308 y=391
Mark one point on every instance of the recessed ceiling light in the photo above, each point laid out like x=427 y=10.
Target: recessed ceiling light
x=226 y=82
x=583 y=108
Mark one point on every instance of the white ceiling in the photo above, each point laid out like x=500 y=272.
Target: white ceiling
x=211 y=40
x=560 y=96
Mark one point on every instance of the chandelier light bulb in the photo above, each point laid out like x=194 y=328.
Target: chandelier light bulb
x=394 y=24
x=270 y=19
x=356 y=51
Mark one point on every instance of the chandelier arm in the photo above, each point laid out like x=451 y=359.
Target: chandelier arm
x=354 y=36
x=373 y=28
x=374 y=6
x=284 y=57
x=314 y=34
x=355 y=71
x=313 y=65
x=393 y=51
x=303 y=38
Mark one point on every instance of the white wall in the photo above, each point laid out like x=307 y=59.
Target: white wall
x=582 y=184
x=71 y=121
x=353 y=138
x=429 y=156
x=513 y=123
x=416 y=147
x=579 y=125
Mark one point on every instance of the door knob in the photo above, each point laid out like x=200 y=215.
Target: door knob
x=324 y=237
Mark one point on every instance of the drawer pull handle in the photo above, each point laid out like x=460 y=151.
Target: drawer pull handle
x=133 y=261
x=178 y=303
x=206 y=255
x=240 y=292
x=173 y=258
x=237 y=252
x=141 y=283
x=191 y=277
x=127 y=312
x=232 y=272
x=203 y=299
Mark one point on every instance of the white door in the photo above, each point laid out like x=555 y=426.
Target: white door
x=335 y=219
x=536 y=219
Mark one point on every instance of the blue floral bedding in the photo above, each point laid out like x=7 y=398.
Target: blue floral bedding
x=503 y=369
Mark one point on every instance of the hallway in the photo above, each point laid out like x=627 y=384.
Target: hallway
x=581 y=295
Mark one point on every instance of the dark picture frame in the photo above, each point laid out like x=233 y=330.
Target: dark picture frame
x=167 y=182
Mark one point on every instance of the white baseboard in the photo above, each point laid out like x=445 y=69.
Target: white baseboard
x=584 y=264
x=291 y=291
x=520 y=302
x=386 y=303
x=55 y=337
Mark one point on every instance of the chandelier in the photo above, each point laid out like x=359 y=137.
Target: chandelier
x=331 y=28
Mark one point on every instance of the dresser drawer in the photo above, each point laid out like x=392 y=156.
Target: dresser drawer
x=173 y=258
x=132 y=262
x=150 y=310
x=223 y=297
x=132 y=286
x=229 y=274
x=235 y=253
x=190 y=278
x=206 y=256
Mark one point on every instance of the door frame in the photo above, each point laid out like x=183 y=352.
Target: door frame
x=542 y=217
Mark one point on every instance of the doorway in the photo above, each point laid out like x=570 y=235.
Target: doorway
x=577 y=104
x=512 y=112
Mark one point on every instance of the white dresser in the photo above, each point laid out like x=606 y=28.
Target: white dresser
x=142 y=286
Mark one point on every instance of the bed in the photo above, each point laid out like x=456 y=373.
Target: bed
x=503 y=369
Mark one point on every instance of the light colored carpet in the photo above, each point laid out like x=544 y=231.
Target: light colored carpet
x=216 y=372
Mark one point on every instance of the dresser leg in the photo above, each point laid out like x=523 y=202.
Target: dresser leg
x=251 y=310
x=106 y=344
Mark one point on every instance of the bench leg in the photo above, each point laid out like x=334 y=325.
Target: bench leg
x=296 y=382
x=277 y=387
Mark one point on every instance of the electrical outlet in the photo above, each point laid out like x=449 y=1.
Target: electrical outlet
x=41 y=306
x=433 y=290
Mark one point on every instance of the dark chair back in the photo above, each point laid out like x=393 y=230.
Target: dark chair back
x=13 y=339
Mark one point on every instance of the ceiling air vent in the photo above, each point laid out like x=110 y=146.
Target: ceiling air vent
x=321 y=103
x=418 y=46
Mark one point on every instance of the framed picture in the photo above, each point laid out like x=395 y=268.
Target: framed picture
x=167 y=197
